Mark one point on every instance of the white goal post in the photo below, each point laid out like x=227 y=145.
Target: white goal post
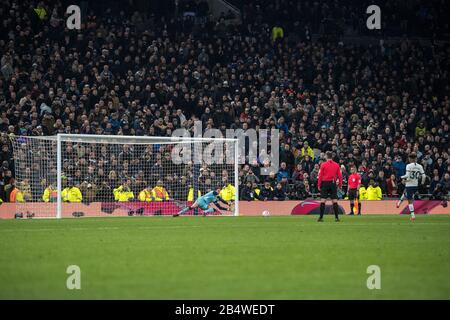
x=74 y=175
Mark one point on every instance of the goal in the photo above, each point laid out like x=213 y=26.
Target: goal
x=71 y=175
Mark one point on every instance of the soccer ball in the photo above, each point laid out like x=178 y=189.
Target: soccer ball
x=266 y=213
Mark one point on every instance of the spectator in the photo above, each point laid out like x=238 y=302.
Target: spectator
x=102 y=80
x=399 y=167
x=251 y=177
x=283 y=172
x=391 y=185
x=300 y=190
x=287 y=156
x=279 y=194
x=313 y=178
x=307 y=193
x=89 y=192
x=256 y=191
x=445 y=182
x=439 y=193
x=266 y=192
x=307 y=164
x=433 y=183
x=247 y=193
x=382 y=182
x=297 y=175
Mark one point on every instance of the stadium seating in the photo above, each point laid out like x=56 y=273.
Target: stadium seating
x=135 y=72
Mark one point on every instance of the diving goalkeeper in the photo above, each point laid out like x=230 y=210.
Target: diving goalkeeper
x=204 y=202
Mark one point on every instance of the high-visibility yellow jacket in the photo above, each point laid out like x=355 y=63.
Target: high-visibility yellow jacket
x=20 y=197
x=25 y=190
x=71 y=195
x=374 y=193
x=228 y=193
x=191 y=194
x=257 y=191
x=277 y=32
x=50 y=195
x=303 y=152
x=145 y=195
x=16 y=196
x=41 y=12
x=420 y=131
x=362 y=193
x=122 y=195
x=308 y=151
x=160 y=194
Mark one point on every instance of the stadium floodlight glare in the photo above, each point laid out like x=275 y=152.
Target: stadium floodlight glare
x=70 y=175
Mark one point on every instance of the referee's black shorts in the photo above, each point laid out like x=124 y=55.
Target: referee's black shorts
x=352 y=194
x=328 y=189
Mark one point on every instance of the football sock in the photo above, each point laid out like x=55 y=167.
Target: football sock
x=352 y=206
x=336 y=210
x=359 y=208
x=322 y=209
x=209 y=210
x=411 y=209
x=184 y=210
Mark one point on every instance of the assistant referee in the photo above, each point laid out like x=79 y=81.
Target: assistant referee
x=329 y=175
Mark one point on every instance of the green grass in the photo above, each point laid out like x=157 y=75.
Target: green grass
x=226 y=258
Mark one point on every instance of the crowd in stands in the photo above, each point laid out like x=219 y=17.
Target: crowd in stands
x=335 y=18
x=125 y=73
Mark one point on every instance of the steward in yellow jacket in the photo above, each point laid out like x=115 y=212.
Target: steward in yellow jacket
x=146 y=195
x=277 y=32
x=16 y=195
x=190 y=196
x=71 y=194
x=40 y=12
x=159 y=193
x=123 y=193
x=228 y=192
x=362 y=193
x=307 y=150
x=50 y=194
x=374 y=193
x=25 y=190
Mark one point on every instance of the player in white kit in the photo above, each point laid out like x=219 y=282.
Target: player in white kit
x=414 y=172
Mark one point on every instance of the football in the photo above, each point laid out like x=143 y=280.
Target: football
x=266 y=213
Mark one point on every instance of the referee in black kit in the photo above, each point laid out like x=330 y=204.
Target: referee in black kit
x=329 y=173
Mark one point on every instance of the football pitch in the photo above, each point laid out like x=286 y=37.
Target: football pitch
x=291 y=257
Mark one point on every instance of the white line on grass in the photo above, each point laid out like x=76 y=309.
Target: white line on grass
x=66 y=228
x=266 y=223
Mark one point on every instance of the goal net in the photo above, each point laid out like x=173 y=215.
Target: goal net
x=94 y=175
